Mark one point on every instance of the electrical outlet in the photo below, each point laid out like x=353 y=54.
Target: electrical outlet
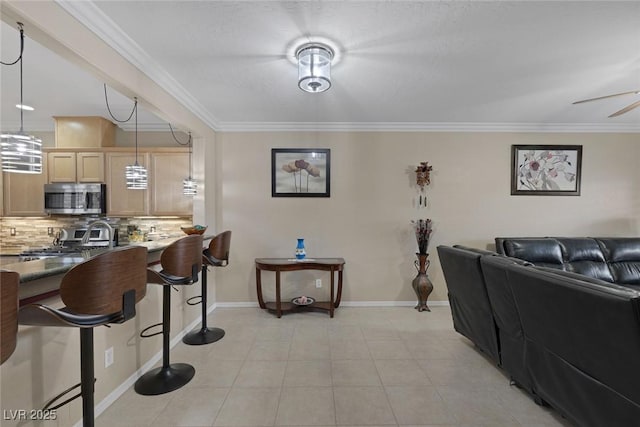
x=318 y=283
x=50 y=231
x=108 y=357
x=12 y=231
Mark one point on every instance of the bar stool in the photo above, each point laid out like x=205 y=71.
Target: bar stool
x=181 y=261
x=102 y=290
x=216 y=255
x=9 y=281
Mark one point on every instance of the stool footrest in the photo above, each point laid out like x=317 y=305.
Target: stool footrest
x=143 y=333
x=48 y=405
x=197 y=297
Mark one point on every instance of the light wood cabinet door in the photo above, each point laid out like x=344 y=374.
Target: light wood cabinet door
x=90 y=167
x=120 y=200
x=62 y=167
x=168 y=170
x=24 y=193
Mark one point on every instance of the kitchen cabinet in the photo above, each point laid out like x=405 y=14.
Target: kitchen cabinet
x=81 y=167
x=166 y=174
x=120 y=200
x=24 y=193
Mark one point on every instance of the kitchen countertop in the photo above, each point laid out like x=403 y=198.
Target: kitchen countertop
x=38 y=269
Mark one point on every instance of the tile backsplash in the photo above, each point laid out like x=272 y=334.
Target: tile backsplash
x=33 y=232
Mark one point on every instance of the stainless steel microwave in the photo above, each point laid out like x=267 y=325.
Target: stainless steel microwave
x=75 y=199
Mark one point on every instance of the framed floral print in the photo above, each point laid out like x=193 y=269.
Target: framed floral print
x=304 y=172
x=546 y=170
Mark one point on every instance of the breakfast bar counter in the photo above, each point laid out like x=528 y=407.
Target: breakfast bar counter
x=41 y=278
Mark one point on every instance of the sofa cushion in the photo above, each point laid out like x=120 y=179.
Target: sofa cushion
x=584 y=256
x=623 y=255
x=544 y=252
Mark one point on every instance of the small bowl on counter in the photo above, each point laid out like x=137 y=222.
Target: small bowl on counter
x=195 y=229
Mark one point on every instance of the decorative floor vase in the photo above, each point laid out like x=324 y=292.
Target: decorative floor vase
x=421 y=284
x=300 y=251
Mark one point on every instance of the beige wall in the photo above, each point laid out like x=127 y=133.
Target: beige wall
x=366 y=220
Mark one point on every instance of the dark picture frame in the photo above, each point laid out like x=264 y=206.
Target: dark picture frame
x=300 y=172
x=546 y=170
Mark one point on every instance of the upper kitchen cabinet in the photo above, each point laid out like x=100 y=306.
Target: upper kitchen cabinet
x=81 y=167
x=24 y=193
x=120 y=200
x=84 y=132
x=167 y=172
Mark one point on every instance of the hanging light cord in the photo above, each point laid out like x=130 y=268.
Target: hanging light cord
x=189 y=143
x=106 y=99
x=13 y=63
x=21 y=47
x=134 y=110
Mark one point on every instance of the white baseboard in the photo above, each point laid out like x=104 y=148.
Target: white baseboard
x=129 y=382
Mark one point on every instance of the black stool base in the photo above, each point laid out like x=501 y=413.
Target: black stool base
x=164 y=379
x=203 y=336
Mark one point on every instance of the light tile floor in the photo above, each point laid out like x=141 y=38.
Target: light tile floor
x=366 y=366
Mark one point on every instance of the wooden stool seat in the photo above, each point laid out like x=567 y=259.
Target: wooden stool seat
x=215 y=255
x=181 y=262
x=102 y=290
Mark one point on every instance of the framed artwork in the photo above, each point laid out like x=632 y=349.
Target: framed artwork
x=546 y=170
x=300 y=172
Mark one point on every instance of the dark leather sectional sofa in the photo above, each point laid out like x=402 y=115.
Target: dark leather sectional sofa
x=560 y=315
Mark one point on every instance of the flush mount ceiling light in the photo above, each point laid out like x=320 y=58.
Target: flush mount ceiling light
x=314 y=67
x=21 y=153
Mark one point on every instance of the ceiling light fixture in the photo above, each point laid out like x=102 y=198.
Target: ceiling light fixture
x=314 y=67
x=136 y=174
x=189 y=185
x=21 y=153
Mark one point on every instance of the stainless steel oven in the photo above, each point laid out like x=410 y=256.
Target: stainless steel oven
x=75 y=199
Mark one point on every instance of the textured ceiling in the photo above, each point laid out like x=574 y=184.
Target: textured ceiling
x=402 y=65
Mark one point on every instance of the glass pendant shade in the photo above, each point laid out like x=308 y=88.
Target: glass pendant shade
x=189 y=187
x=21 y=153
x=314 y=67
x=136 y=177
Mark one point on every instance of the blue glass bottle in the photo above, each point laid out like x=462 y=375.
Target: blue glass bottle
x=300 y=252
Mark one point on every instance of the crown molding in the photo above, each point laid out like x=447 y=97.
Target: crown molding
x=48 y=126
x=428 y=127
x=104 y=27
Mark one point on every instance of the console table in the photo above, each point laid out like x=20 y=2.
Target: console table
x=291 y=264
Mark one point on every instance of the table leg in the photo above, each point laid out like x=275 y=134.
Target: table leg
x=331 y=303
x=259 y=288
x=278 y=303
x=339 y=289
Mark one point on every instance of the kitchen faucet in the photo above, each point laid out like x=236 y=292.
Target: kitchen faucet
x=105 y=224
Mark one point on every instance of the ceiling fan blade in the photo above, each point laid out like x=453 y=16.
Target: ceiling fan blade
x=607 y=96
x=626 y=109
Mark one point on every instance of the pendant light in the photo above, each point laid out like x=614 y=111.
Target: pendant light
x=135 y=174
x=21 y=153
x=189 y=186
